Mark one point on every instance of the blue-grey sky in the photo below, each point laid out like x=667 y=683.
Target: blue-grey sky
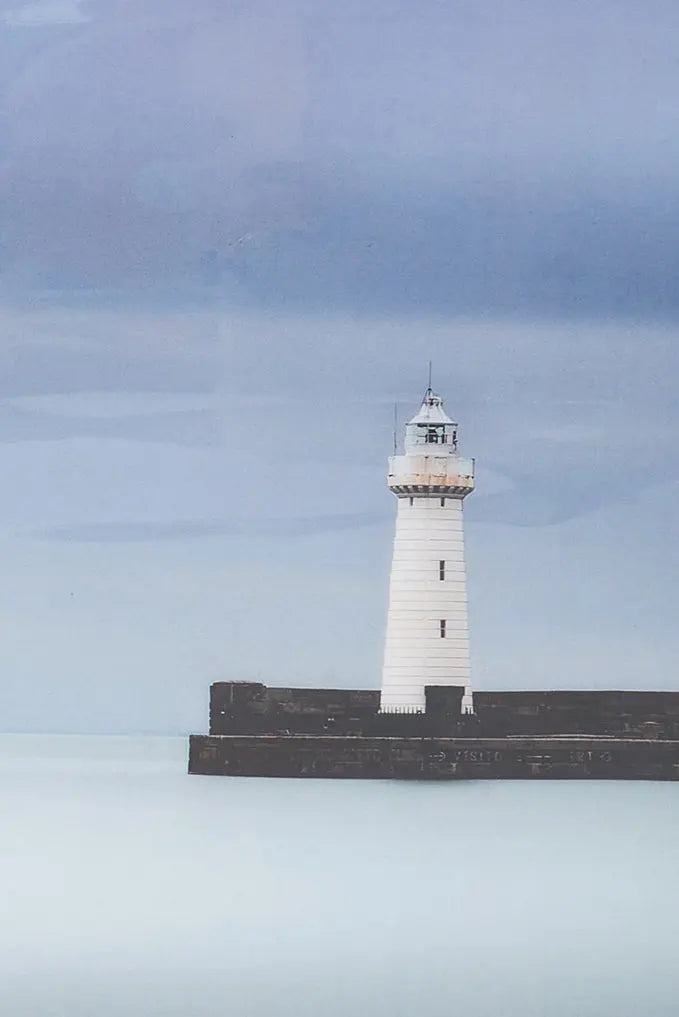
x=231 y=236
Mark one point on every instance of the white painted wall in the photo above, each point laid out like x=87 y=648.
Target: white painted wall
x=416 y=655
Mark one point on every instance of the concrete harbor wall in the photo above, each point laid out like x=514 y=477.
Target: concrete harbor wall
x=340 y=733
x=434 y=758
x=253 y=708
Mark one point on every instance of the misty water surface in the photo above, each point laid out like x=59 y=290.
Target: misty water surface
x=131 y=888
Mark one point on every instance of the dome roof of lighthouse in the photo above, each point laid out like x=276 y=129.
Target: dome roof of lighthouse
x=431 y=411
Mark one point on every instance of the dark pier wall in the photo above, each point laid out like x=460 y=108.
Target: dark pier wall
x=609 y=712
x=252 y=708
x=282 y=732
x=434 y=758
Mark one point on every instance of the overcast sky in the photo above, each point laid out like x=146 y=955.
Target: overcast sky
x=231 y=237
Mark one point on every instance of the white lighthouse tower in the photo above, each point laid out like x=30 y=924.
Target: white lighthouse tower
x=427 y=641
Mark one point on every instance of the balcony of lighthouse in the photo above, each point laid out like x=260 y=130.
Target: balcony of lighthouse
x=431 y=476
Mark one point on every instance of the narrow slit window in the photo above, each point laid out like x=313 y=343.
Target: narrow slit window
x=412 y=500
x=442 y=628
x=443 y=502
x=442 y=570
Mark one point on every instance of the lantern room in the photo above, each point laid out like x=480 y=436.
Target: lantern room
x=431 y=431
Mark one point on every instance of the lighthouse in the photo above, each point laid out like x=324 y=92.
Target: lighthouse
x=427 y=639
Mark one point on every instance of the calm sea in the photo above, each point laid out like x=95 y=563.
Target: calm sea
x=127 y=887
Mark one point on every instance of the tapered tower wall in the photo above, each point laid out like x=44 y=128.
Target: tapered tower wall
x=427 y=640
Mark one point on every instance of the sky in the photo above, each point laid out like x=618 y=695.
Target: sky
x=231 y=237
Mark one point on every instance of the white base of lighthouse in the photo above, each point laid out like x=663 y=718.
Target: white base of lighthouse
x=427 y=641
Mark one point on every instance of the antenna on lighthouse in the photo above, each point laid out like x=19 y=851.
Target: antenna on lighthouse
x=429 y=384
x=395 y=426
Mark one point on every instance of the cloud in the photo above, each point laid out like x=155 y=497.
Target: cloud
x=570 y=416
x=45 y=12
x=461 y=160
x=31 y=369
x=185 y=427
x=192 y=529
